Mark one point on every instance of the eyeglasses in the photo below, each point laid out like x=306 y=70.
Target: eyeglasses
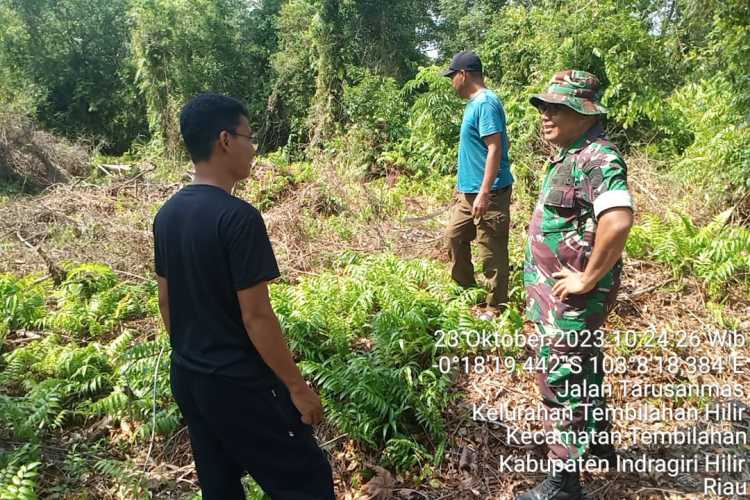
x=250 y=137
x=550 y=109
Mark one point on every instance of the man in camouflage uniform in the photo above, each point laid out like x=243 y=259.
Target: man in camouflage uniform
x=572 y=268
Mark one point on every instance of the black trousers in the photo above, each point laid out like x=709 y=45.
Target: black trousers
x=236 y=429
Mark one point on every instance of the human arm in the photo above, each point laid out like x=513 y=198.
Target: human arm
x=253 y=264
x=265 y=333
x=491 y=166
x=611 y=234
x=164 y=301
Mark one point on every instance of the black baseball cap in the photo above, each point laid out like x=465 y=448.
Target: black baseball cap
x=465 y=60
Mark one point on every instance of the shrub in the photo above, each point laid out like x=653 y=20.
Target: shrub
x=365 y=331
x=525 y=46
x=179 y=54
x=378 y=113
x=54 y=380
x=367 y=334
x=133 y=394
x=434 y=123
x=375 y=102
x=91 y=301
x=717 y=161
x=73 y=76
x=22 y=302
x=717 y=253
x=19 y=473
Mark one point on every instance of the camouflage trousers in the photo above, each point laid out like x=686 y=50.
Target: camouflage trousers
x=491 y=233
x=570 y=379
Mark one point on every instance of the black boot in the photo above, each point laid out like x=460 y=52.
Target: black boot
x=558 y=486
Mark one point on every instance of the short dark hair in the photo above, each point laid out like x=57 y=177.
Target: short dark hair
x=204 y=117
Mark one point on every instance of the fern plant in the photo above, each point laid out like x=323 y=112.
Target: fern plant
x=367 y=336
x=56 y=381
x=22 y=302
x=92 y=301
x=19 y=473
x=19 y=483
x=718 y=253
x=365 y=331
x=133 y=393
x=125 y=476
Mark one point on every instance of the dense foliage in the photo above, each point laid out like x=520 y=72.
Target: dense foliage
x=354 y=86
x=365 y=332
x=306 y=68
x=717 y=253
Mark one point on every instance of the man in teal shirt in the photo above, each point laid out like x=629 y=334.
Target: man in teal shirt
x=484 y=186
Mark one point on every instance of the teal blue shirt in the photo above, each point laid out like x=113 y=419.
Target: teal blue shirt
x=483 y=116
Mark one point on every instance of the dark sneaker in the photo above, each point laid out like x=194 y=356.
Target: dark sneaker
x=558 y=486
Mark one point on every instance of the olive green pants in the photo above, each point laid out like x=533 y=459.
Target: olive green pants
x=491 y=232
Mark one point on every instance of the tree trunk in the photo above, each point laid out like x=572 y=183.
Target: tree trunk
x=326 y=110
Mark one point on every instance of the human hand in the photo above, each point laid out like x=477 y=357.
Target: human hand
x=570 y=282
x=308 y=403
x=481 y=204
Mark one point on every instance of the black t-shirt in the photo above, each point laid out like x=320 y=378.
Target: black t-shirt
x=208 y=245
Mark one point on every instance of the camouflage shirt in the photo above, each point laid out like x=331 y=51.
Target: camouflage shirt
x=583 y=180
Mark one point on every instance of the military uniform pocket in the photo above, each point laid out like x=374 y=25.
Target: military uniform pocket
x=561 y=197
x=560 y=211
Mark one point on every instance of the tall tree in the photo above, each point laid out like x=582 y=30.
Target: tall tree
x=462 y=24
x=329 y=84
x=185 y=47
x=75 y=55
x=389 y=37
x=287 y=113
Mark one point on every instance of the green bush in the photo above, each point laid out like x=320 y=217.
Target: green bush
x=717 y=161
x=366 y=333
x=92 y=301
x=178 y=54
x=712 y=39
x=289 y=103
x=22 y=302
x=378 y=113
x=50 y=382
x=367 y=337
x=375 y=102
x=71 y=74
x=133 y=394
x=526 y=45
x=19 y=473
x=434 y=123
x=54 y=380
x=59 y=383
x=717 y=253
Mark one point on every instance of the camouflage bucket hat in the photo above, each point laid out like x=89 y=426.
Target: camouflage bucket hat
x=578 y=90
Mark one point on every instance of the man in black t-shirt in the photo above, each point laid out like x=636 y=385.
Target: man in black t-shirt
x=245 y=403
